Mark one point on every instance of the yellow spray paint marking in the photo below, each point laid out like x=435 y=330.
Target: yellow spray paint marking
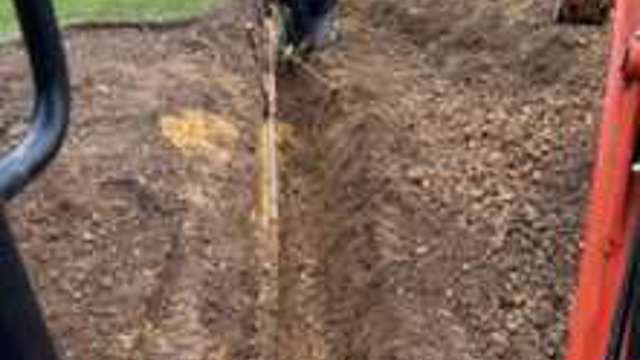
x=272 y=146
x=198 y=132
x=516 y=11
x=267 y=249
x=267 y=175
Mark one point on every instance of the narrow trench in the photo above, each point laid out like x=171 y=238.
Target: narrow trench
x=334 y=298
x=307 y=108
x=302 y=302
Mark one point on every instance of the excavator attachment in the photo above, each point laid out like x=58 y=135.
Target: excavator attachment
x=23 y=332
x=605 y=314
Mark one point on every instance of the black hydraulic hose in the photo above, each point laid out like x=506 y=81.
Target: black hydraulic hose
x=625 y=317
x=633 y=347
x=624 y=334
x=50 y=114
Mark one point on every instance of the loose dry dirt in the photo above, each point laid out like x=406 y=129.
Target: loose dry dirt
x=431 y=201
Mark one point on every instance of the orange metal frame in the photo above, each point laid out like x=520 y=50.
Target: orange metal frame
x=615 y=195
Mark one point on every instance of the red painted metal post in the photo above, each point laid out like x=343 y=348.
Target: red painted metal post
x=606 y=237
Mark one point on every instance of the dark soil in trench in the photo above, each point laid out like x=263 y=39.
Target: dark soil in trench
x=431 y=205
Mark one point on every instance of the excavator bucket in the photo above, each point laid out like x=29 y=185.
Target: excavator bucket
x=605 y=314
x=581 y=11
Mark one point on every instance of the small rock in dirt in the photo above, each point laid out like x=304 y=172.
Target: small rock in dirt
x=449 y=293
x=500 y=338
x=422 y=250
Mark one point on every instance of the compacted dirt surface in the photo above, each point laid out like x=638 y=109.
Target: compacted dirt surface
x=433 y=175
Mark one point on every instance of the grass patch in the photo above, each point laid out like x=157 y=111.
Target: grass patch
x=78 y=11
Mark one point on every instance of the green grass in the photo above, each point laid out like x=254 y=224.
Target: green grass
x=78 y=11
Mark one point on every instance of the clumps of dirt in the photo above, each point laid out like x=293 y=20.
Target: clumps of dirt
x=442 y=194
x=515 y=42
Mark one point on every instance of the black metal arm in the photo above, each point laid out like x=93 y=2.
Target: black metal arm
x=51 y=107
x=23 y=331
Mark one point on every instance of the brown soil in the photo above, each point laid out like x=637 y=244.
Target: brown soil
x=430 y=205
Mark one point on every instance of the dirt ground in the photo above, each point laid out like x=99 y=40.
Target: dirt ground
x=430 y=203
